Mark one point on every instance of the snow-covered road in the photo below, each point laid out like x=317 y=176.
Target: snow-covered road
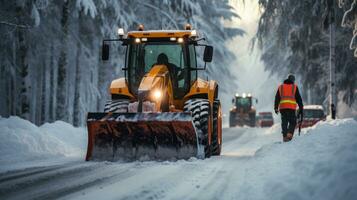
x=254 y=165
x=214 y=178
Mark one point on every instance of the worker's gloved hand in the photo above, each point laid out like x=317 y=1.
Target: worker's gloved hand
x=276 y=111
x=301 y=112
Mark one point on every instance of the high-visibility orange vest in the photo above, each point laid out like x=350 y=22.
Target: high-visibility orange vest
x=287 y=96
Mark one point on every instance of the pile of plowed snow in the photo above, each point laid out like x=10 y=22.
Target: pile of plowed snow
x=320 y=164
x=22 y=141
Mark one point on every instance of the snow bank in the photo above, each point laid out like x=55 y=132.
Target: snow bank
x=22 y=141
x=320 y=164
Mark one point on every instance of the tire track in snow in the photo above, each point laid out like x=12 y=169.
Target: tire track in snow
x=60 y=182
x=13 y=175
x=151 y=181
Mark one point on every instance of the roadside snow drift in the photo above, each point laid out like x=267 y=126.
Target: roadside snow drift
x=321 y=164
x=22 y=141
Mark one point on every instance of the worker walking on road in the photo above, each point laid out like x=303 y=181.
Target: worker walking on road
x=286 y=100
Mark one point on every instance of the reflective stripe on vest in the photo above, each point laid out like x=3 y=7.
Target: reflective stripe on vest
x=287 y=96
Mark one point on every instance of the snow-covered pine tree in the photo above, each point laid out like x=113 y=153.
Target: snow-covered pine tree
x=62 y=98
x=22 y=62
x=77 y=80
x=51 y=92
x=349 y=20
x=50 y=58
x=293 y=39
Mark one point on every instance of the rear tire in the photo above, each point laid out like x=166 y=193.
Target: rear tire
x=231 y=119
x=216 y=140
x=116 y=106
x=200 y=110
x=252 y=119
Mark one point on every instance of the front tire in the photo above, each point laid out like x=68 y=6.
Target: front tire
x=252 y=119
x=200 y=110
x=231 y=119
x=217 y=124
x=116 y=105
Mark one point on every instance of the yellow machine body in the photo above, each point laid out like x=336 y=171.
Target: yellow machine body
x=163 y=130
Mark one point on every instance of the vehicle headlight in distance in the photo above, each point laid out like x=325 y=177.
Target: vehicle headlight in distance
x=157 y=94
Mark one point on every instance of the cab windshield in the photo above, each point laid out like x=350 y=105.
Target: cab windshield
x=142 y=57
x=243 y=102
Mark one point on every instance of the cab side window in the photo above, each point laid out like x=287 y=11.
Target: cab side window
x=193 y=63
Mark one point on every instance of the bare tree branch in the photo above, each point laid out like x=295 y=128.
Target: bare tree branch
x=163 y=12
x=16 y=25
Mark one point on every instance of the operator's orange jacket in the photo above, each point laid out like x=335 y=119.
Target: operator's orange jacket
x=288 y=96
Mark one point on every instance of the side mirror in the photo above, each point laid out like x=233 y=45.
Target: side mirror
x=233 y=101
x=256 y=101
x=207 y=56
x=105 y=51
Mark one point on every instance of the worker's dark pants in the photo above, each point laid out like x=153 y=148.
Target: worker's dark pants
x=288 y=121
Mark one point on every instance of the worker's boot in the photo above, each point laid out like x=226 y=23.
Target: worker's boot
x=285 y=139
x=289 y=136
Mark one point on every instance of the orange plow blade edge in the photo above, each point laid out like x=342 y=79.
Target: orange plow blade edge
x=141 y=136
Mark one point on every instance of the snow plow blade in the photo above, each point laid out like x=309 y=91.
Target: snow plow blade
x=141 y=136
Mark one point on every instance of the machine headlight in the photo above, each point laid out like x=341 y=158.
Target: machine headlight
x=180 y=40
x=121 y=32
x=157 y=94
x=137 y=40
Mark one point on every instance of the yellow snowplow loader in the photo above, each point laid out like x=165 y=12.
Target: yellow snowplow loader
x=160 y=110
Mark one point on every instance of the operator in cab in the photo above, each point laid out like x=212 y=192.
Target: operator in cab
x=175 y=72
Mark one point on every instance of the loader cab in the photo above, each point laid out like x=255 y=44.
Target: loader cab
x=243 y=102
x=144 y=47
x=243 y=112
x=141 y=57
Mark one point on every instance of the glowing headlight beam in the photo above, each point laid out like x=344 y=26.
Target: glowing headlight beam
x=157 y=94
x=180 y=40
x=120 y=31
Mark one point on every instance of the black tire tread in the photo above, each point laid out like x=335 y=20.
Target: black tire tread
x=216 y=147
x=117 y=105
x=200 y=115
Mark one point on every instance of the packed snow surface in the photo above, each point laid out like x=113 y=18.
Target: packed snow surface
x=255 y=164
